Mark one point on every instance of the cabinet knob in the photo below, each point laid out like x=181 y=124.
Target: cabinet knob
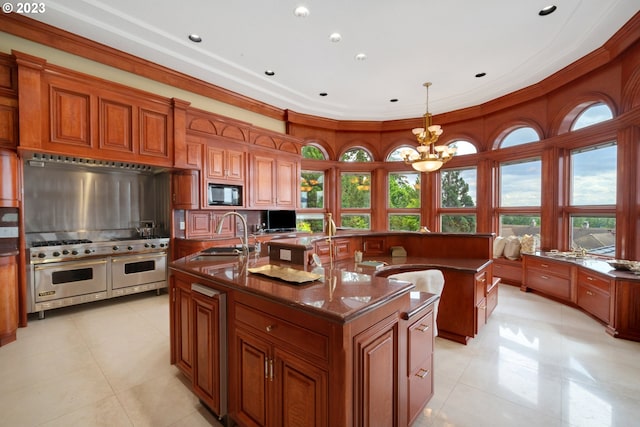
x=590 y=293
x=270 y=328
x=422 y=373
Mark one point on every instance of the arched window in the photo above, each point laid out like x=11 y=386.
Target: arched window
x=521 y=135
x=312 y=152
x=398 y=154
x=463 y=147
x=591 y=115
x=356 y=155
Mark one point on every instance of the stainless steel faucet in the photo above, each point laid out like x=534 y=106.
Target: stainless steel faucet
x=245 y=243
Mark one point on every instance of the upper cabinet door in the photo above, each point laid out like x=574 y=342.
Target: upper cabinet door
x=224 y=164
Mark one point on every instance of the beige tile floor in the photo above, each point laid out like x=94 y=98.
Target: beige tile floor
x=536 y=363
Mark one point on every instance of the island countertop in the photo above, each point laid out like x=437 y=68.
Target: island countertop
x=341 y=294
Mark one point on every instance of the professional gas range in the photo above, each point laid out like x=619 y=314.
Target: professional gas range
x=46 y=251
x=65 y=272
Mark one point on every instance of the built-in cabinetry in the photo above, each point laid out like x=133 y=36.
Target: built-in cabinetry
x=8 y=298
x=611 y=296
x=62 y=111
x=290 y=366
x=510 y=271
x=340 y=248
x=186 y=189
x=9 y=246
x=281 y=370
x=198 y=338
x=420 y=343
x=274 y=180
x=202 y=224
x=209 y=342
x=224 y=164
x=593 y=294
x=549 y=277
x=181 y=327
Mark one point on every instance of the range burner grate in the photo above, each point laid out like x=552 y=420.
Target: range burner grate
x=44 y=243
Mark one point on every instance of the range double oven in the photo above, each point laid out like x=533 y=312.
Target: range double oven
x=68 y=272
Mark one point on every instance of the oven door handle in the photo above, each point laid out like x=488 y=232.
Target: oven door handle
x=126 y=258
x=69 y=264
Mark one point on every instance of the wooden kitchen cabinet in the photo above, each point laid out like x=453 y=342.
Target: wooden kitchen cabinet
x=274 y=181
x=277 y=386
x=8 y=179
x=376 y=353
x=75 y=114
x=185 y=189
x=181 y=328
x=551 y=277
x=202 y=224
x=223 y=164
x=341 y=248
x=481 y=300
x=420 y=360
x=8 y=299
x=209 y=362
x=594 y=294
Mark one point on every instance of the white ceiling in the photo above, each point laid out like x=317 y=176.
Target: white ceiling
x=407 y=42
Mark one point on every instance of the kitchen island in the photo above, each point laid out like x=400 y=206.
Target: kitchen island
x=347 y=349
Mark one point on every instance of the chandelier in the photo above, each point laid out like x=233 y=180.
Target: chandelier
x=429 y=157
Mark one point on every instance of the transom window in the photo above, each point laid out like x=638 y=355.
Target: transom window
x=521 y=135
x=312 y=152
x=356 y=155
x=596 y=113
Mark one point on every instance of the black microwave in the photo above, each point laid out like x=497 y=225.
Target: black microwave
x=224 y=195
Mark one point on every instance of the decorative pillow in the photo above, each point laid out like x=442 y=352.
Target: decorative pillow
x=498 y=246
x=527 y=244
x=512 y=248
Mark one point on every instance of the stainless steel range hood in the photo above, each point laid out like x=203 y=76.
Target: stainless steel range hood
x=40 y=160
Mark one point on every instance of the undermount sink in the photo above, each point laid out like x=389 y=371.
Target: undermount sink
x=216 y=257
x=225 y=250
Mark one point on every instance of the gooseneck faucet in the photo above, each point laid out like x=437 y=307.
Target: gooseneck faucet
x=245 y=243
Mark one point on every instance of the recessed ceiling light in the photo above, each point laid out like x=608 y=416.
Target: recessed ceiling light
x=335 y=37
x=361 y=57
x=481 y=75
x=393 y=100
x=323 y=94
x=547 y=10
x=195 y=38
x=301 y=12
x=270 y=73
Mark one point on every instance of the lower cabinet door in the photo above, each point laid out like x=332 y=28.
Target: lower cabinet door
x=375 y=373
x=301 y=392
x=206 y=369
x=253 y=379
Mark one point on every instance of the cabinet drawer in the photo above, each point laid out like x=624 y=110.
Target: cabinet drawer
x=481 y=285
x=556 y=268
x=373 y=246
x=420 y=388
x=291 y=335
x=549 y=283
x=509 y=273
x=590 y=279
x=342 y=249
x=420 y=341
x=595 y=301
x=492 y=299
